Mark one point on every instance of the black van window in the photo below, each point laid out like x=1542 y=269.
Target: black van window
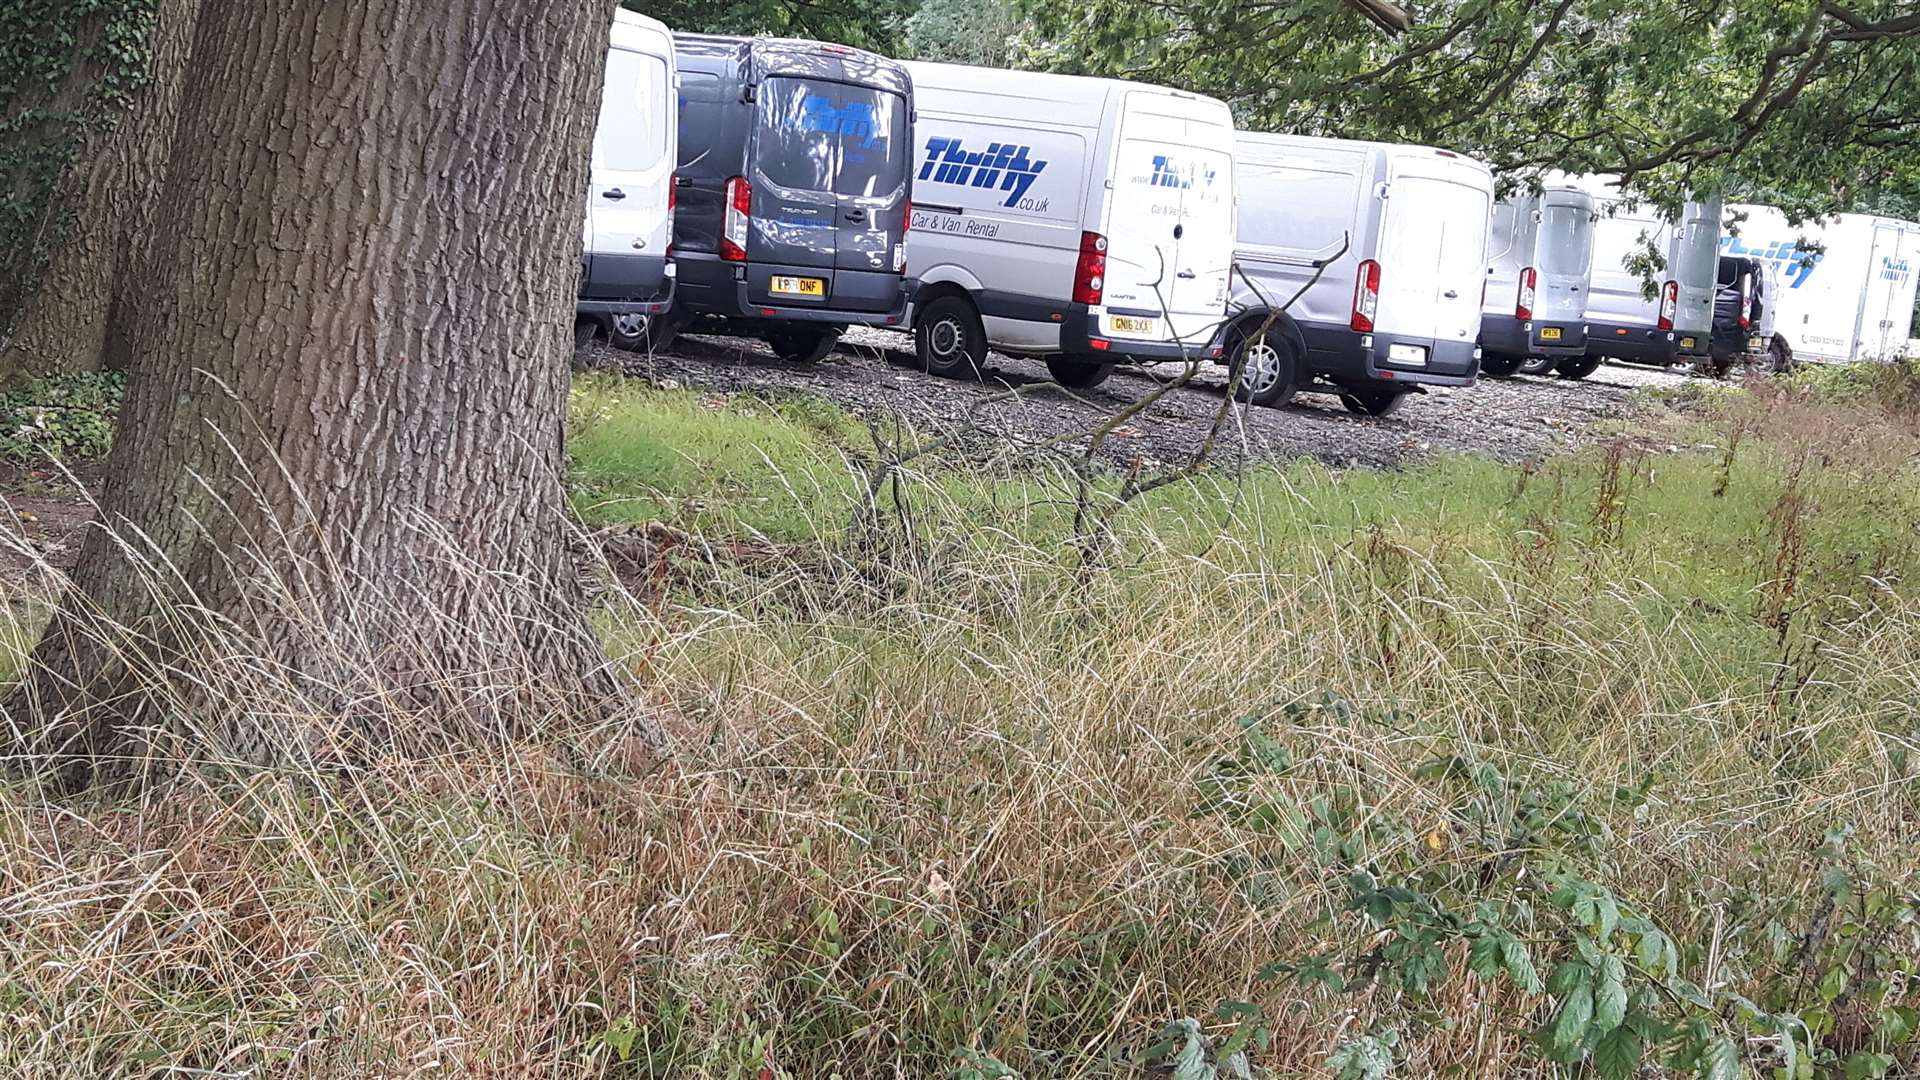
x=1729 y=272
x=822 y=136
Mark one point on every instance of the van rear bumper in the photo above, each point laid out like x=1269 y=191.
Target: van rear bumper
x=625 y=285
x=1510 y=336
x=1644 y=344
x=1080 y=332
x=1342 y=355
x=709 y=286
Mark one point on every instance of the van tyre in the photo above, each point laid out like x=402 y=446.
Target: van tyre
x=1373 y=402
x=1267 y=367
x=1500 y=367
x=803 y=344
x=1077 y=374
x=948 y=338
x=1537 y=365
x=629 y=332
x=1578 y=367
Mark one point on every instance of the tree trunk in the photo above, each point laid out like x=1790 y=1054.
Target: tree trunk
x=334 y=517
x=64 y=325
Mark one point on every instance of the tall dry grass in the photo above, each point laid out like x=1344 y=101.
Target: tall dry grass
x=959 y=795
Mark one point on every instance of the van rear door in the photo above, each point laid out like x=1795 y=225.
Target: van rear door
x=1433 y=249
x=631 y=166
x=1565 y=256
x=829 y=190
x=1887 y=307
x=1170 y=221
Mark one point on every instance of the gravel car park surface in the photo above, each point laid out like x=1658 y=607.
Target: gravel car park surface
x=873 y=373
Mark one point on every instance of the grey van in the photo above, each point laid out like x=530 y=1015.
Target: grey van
x=793 y=190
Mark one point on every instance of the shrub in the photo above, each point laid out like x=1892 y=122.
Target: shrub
x=66 y=417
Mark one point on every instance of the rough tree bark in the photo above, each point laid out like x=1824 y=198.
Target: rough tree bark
x=65 y=326
x=335 y=498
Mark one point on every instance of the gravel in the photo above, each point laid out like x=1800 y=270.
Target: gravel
x=872 y=373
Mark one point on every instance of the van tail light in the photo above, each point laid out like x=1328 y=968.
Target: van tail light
x=1090 y=273
x=1746 y=301
x=906 y=226
x=1366 y=296
x=673 y=201
x=1669 y=304
x=733 y=234
x=1523 y=305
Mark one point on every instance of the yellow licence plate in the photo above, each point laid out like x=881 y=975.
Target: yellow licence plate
x=1686 y=343
x=798 y=286
x=1549 y=333
x=1129 y=324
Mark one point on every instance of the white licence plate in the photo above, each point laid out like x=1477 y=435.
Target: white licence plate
x=1411 y=355
x=1133 y=324
x=798 y=286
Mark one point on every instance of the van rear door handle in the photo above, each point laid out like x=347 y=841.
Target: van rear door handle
x=856 y=216
x=1188 y=274
x=1451 y=295
x=615 y=194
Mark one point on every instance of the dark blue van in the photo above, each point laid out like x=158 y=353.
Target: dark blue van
x=793 y=190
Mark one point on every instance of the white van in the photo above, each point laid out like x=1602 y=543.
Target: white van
x=625 y=275
x=1386 y=247
x=1086 y=221
x=1673 y=325
x=1541 y=263
x=1850 y=300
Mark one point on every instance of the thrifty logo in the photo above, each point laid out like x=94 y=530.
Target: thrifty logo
x=853 y=120
x=1003 y=165
x=1797 y=266
x=1178 y=174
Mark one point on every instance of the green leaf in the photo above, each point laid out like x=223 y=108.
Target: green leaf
x=1567 y=975
x=1513 y=954
x=1897 y=1024
x=1865 y=1065
x=1575 y=1015
x=1719 y=1060
x=1617 y=1057
x=1486 y=955
x=1610 y=999
x=1833 y=983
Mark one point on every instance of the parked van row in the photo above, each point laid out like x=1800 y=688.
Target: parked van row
x=789 y=189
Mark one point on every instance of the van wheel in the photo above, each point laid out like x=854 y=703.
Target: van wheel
x=1536 y=365
x=1578 y=367
x=1077 y=374
x=948 y=338
x=628 y=332
x=1267 y=367
x=803 y=344
x=1500 y=367
x=1778 y=357
x=1373 y=402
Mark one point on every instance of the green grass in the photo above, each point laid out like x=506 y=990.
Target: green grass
x=642 y=454
x=939 y=788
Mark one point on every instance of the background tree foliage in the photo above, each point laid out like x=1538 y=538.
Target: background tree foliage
x=1809 y=105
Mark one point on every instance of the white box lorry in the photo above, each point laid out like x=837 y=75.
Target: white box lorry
x=1850 y=300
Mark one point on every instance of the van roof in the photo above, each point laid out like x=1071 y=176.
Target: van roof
x=754 y=59
x=631 y=29
x=1038 y=85
x=1276 y=139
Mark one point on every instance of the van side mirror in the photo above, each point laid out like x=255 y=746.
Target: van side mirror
x=1538 y=217
x=748 y=94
